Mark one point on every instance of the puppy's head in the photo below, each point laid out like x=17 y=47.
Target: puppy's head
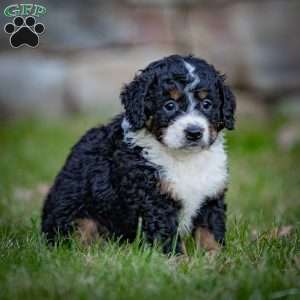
x=182 y=101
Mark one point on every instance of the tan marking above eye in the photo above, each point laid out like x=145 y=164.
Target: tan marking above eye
x=175 y=94
x=202 y=94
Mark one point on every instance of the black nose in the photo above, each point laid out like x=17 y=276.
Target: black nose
x=193 y=133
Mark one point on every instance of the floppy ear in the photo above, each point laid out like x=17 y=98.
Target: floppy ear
x=133 y=99
x=228 y=105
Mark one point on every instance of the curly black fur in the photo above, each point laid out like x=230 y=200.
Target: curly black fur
x=106 y=179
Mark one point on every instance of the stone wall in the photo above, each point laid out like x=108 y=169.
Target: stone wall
x=90 y=48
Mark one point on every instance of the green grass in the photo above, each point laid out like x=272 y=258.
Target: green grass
x=263 y=195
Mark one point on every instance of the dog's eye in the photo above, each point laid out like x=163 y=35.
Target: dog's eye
x=170 y=106
x=206 y=104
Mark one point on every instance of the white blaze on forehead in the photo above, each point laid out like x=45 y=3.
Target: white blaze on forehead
x=125 y=125
x=174 y=136
x=189 y=87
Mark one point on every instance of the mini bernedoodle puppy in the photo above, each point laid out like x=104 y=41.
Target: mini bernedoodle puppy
x=161 y=164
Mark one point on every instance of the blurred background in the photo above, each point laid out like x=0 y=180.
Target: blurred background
x=50 y=95
x=91 y=48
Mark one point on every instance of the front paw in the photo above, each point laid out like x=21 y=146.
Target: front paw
x=205 y=239
x=171 y=247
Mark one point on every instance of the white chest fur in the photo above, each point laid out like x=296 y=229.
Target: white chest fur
x=191 y=176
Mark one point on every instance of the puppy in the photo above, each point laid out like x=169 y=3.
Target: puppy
x=161 y=164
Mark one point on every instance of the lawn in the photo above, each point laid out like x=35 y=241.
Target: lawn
x=261 y=260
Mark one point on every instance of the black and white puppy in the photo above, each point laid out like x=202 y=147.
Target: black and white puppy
x=161 y=164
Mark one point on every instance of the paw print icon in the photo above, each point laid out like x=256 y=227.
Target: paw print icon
x=24 y=32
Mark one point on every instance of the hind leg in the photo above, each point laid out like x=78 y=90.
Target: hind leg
x=59 y=216
x=89 y=230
